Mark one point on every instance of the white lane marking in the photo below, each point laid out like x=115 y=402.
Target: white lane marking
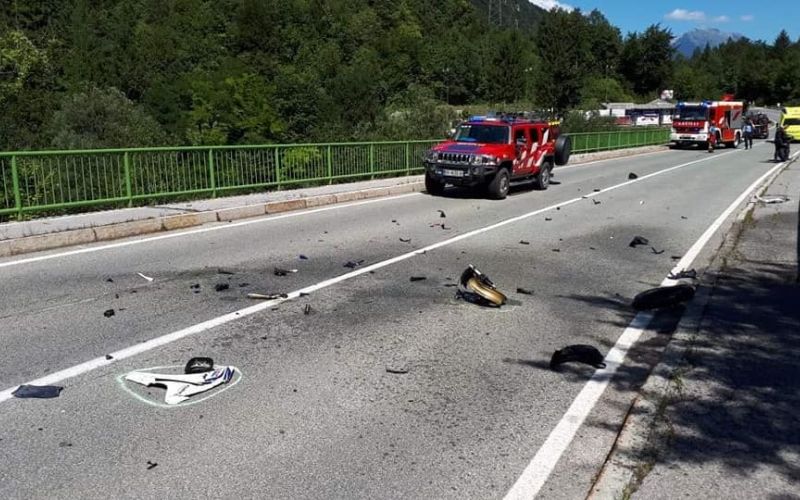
x=541 y=466
x=259 y=220
x=148 y=345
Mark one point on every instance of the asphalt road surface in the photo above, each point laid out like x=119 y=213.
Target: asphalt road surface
x=315 y=413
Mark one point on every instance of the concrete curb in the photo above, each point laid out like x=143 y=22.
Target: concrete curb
x=83 y=236
x=638 y=442
x=27 y=244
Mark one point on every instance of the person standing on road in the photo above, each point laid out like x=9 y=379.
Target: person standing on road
x=781 y=144
x=712 y=138
x=748 y=134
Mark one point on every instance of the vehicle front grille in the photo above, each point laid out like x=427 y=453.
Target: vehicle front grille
x=455 y=157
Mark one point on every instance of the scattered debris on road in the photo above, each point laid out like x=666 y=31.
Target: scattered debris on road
x=684 y=274
x=596 y=190
x=442 y=214
x=632 y=176
x=221 y=287
x=307 y=309
x=596 y=202
x=523 y=242
x=397 y=370
x=225 y=271
x=664 y=296
x=684 y=217
x=548 y=219
x=352 y=264
x=557 y=250
x=283 y=272
x=108 y=313
x=417 y=278
x=148 y=278
x=580 y=353
x=37 y=391
x=109 y=280
x=405 y=240
x=109 y=357
x=657 y=252
x=477 y=283
x=525 y=291
x=267 y=296
x=638 y=240
x=151 y=465
x=676 y=257
x=772 y=199
x=302 y=257
x=182 y=387
x=198 y=365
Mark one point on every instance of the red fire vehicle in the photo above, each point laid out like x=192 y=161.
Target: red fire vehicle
x=495 y=152
x=693 y=121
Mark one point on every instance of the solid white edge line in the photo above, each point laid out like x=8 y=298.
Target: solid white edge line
x=179 y=234
x=544 y=462
x=148 y=345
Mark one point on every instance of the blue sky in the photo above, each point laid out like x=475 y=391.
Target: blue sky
x=757 y=20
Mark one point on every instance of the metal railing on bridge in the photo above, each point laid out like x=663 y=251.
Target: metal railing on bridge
x=57 y=182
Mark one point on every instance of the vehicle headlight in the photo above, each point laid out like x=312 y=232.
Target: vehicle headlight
x=431 y=156
x=484 y=160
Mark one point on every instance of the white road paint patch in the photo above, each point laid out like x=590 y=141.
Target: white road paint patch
x=541 y=466
x=190 y=232
x=169 y=338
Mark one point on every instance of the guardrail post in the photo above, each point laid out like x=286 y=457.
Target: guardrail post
x=330 y=165
x=127 y=166
x=15 y=185
x=212 y=174
x=408 y=159
x=372 y=160
x=277 y=168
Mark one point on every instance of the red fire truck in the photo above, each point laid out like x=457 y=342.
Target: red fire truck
x=693 y=120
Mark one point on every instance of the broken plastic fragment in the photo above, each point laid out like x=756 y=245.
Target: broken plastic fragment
x=523 y=242
x=638 y=240
x=474 y=280
x=270 y=296
x=684 y=274
x=596 y=202
x=352 y=264
x=397 y=371
x=524 y=291
x=581 y=353
x=220 y=287
x=108 y=313
x=417 y=278
x=442 y=214
x=657 y=252
x=148 y=278
x=773 y=199
x=632 y=176
x=37 y=391
x=182 y=387
x=283 y=272
x=405 y=240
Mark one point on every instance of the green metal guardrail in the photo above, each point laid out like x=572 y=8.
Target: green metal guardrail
x=67 y=181
x=619 y=139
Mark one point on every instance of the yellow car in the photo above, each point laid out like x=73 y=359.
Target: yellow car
x=790 y=120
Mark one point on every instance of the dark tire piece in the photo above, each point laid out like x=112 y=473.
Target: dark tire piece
x=433 y=186
x=542 y=179
x=499 y=185
x=563 y=149
x=664 y=296
x=199 y=365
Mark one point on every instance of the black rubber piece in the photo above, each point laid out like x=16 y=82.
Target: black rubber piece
x=664 y=296
x=563 y=149
x=37 y=391
x=199 y=365
x=579 y=352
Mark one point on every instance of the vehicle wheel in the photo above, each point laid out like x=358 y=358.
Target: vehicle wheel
x=433 y=186
x=563 y=149
x=498 y=187
x=665 y=296
x=542 y=179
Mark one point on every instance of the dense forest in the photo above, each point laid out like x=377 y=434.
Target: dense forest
x=112 y=73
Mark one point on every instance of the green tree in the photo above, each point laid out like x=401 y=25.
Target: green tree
x=102 y=118
x=647 y=60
